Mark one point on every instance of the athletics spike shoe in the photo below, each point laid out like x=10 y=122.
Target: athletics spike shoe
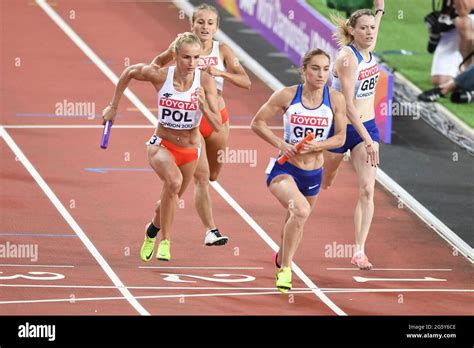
x=146 y=252
x=360 y=260
x=214 y=237
x=283 y=280
x=164 y=253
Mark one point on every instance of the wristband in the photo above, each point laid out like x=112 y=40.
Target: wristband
x=380 y=10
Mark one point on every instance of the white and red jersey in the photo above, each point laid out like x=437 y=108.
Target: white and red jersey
x=179 y=110
x=214 y=59
x=365 y=77
x=299 y=120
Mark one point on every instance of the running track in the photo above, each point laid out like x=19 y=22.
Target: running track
x=89 y=239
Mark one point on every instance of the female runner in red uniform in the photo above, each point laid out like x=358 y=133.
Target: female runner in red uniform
x=219 y=60
x=185 y=94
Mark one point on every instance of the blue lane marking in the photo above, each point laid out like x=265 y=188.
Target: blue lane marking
x=105 y=170
x=38 y=235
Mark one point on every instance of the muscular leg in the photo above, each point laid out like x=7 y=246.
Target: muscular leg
x=215 y=143
x=311 y=200
x=332 y=161
x=208 y=170
x=285 y=190
x=175 y=180
x=282 y=233
x=364 y=210
x=202 y=198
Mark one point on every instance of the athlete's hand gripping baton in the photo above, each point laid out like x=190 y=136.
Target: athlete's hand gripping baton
x=106 y=134
x=282 y=159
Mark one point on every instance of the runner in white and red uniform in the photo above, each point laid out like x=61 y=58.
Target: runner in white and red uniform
x=219 y=60
x=185 y=93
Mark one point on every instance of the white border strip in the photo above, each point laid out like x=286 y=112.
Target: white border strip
x=70 y=220
x=425 y=215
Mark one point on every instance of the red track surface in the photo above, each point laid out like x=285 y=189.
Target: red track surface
x=112 y=208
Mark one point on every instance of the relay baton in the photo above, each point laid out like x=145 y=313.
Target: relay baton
x=106 y=134
x=282 y=159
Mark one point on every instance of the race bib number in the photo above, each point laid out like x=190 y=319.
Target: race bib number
x=302 y=125
x=367 y=82
x=154 y=140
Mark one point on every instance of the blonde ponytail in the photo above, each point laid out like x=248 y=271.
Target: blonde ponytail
x=343 y=35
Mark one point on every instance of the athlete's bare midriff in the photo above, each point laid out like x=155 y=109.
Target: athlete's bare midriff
x=308 y=161
x=183 y=138
x=365 y=109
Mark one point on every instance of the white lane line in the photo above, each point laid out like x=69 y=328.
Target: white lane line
x=425 y=279
x=70 y=220
x=193 y=267
x=235 y=294
x=35 y=265
x=393 y=269
x=114 y=298
x=357 y=290
x=75 y=126
x=107 y=287
x=198 y=288
x=80 y=126
x=94 y=58
x=247 y=218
